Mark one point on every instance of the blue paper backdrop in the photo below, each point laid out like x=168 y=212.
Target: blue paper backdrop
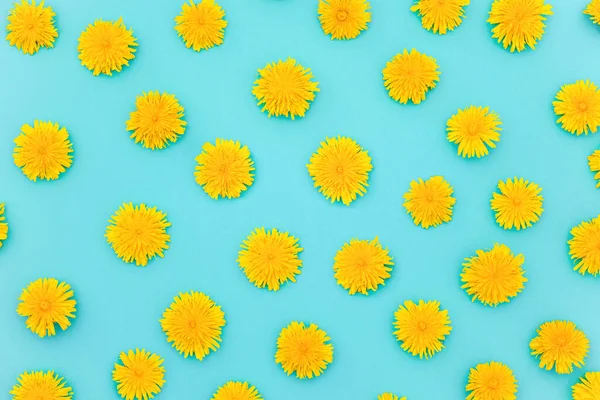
x=57 y=228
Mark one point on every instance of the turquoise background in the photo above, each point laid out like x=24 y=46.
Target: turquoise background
x=57 y=228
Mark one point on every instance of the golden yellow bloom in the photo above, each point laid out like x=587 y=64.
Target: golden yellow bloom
x=106 y=46
x=303 y=350
x=493 y=276
x=157 y=120
x=588 y=388
x=237 y=391
x=593 y=10
x=340 y=169
x=344 y=19
x=594 y=163
x=285 y=88
x=430 y=202
x=193 y=324
x=269 y=259
x=140 y=375
x=440 y=16
x=474 y=129
x=421 y=327
x=41 y=385
x=46 y=302
x=43 y=150
x=31 y=26
x=518 y=205
x=224 y=169
x=201 y=25
x=138 y=233
x=389 y=396
x=584 y=246
x=560 y=345
x=362 y=265
x=519 y=23
x=3 y=225
x=491 y=381
x=578 y=106
x=409 y=76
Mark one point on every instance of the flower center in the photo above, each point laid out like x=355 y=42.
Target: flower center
x=201 y=21
x=42 y=151
x=472 y=130
x=493 y=384
x=340 y=170
x=361 y=264
x=106 y=44
x=45 y=306
x=341 y=15
x=582 y=107
x=139 y=232
x=192 y=324
x=270 y=257
x=30 y=27
x=429 y=198
x=422 y=326
x=561 y=341
x=155 y=118
x=516 y=202
x=138 y=372
x=223 y=169
x=302 y=348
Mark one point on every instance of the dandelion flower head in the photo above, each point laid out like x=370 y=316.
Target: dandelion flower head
x=270 y=258
x=139 y=375
x=237 y=391
x=578 y=107
x=41 y=385
x=430 y=202
x=31 y=26
x=518 y=204
x=593 y=10
x=303 y=350
x=157 y=120
x=421 y=328
x=389 y=396
x=344 y=19
x=3 y=225
x=285 y=88
x=47 y=302
x=560 y=345
x=594 y=164
x=106 y=46
x=491 y=381
x=201 y=25
x=474 y=129
x=340 y=169
x=409 y=76
x=193 y=324
x=224 y=169
x=584 y=246
x=588 y=387
x=440 y=16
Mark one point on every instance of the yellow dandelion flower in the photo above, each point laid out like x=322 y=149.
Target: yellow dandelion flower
x=518 y=205
x=303 y=350
x=409 y=76
x=157 y=120
x=3 y=225
x=474 y=129
x=440 y=16
x=491 y=381
x=389 y=396
x=594 y=163
x=202 y=26
x=31 y=26
x=430 y=202
x=593 y=10
x=578 y=107
x=106 y=46
x=43 y=150
x=46 y=302
x=560 y=345
x=518 y=23
x=138 y=233
x=421 y=327
x=224 y=169
x=493 y=276
x=269 y=259
x=588 y=388
x=285 y=88
x=193 y=324
x=362 y=265
x=139 y=376
x=340 y=169
x=344 y=19
x=41 y=385
x=237 y=391
x=584 y=246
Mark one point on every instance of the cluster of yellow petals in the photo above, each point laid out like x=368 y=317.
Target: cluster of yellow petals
x=344 y=19
x=389 y=396
x=422 y=327
x=201 y=25
x=593 y=10
x=41 y=385
x=594 y=164
x=138 y=233
x=518 y=205
x=430 y=202
x=3 y=225
x=193 y=324
x=140 y=375
x=518 y=23
x=584 y=246
x=303 y=350
x=578 y=107
x=560 y=345
x=588 y=387
x=491 y=381
x=46 y=302
x=474 y=129
x=31 y=26
x=440 y=16
x=409 y=76
x=340 y=169
x=237 y=391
